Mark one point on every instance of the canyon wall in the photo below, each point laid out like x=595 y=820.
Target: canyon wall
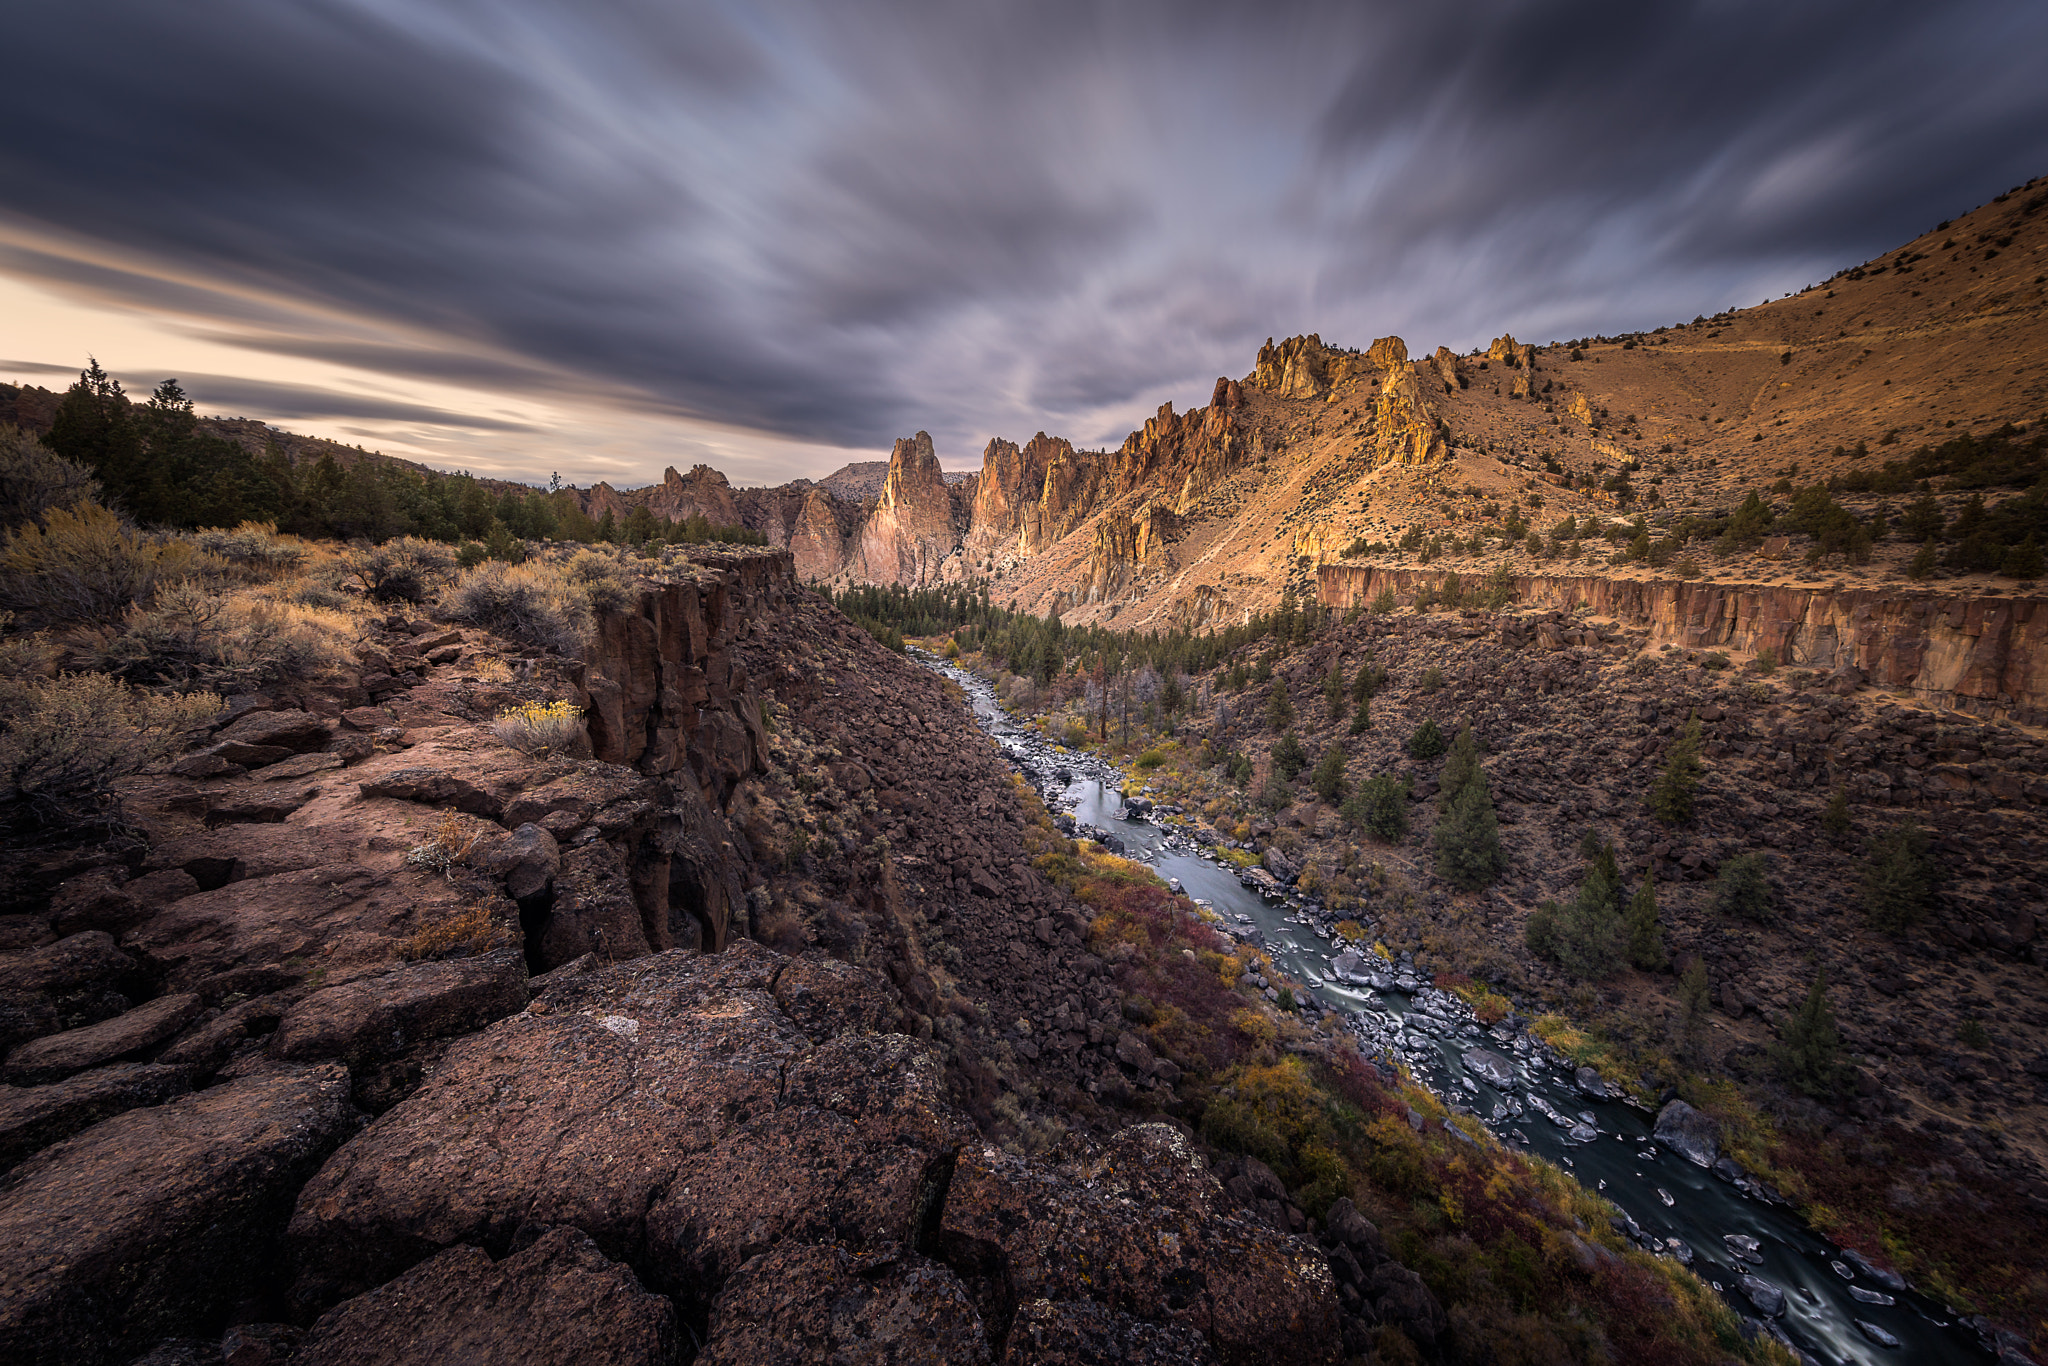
x=1986 y=654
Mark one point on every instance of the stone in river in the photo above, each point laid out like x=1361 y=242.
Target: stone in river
x=1877 y=1334
x=1768 y=1299
x=1589 y=1083
x=1890 y=1280
x=1687 y=1131
x=1490 y=1067
x=1870 y=1296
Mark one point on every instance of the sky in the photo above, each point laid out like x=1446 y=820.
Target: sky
x=524 y=238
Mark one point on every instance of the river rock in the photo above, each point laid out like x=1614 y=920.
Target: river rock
x=1684 y=1130
x=1768 y=1299
x=1589 y=1083
x=1884 y=1276
x=1490 y=1067
x=1876 y=1334
x=557 y=1302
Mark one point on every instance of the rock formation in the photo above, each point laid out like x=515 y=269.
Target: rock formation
x=1126 y=544
x=705 y=493
x=1408 y=428
x=913 y=530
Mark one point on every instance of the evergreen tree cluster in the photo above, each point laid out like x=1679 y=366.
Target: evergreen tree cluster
x=1594 y=936
x=156 y=463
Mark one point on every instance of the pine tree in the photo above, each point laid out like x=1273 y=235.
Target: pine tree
x=1467 y=839
x=1835 y=820
x=1743 y=890
x=1427 y=742
x=1279 y=711
x=1333 y=690
x=1361 y=720
x=1645 y=932
x=1289 y=759
x=1923 y=562
x=1809 y=1049
x=1328 y=778
x=2022 y=561
x=1591 y=936
x=1693 y=1000
x=1458 y=770
x=1671 y=797
x=1901 y=879
x=608 y=528
x=1380 y=808
x=1365 y=682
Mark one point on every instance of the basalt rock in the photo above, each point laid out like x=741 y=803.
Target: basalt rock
x=916 y=525
x=1987 y=654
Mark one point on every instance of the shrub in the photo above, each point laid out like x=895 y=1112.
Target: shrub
x=606 y=583
x=443 y=851
x=1922 y=565
x=544 y=728
x=1716 y=661
x=1361 y=720
x=1973 y=1034
x=1276 y=794
x=531 y=603
x=1743 y=890
x=1151 y=758
x=400 y=570
x=253 y=550
x=1671 y=796
x=1383 y=603
x=1328 y=778
x=1901 y=880
x=1540 y=933
x=469 y=928
x=67 y=740
x=1289 y=759
x=85 y=565
x=1766 y=662
x=1380 y=808
x=188 y=636
x=1432 y=679
x=1645 y=931
x=1808 y=1054
x=1427 y=742
x=1467 y=838
x=1835 y=820
x=34 y=479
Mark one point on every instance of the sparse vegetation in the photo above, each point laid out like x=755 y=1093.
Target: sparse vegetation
x=66 y=741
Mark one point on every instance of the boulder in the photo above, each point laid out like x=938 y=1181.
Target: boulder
x=372 y=1019
x=1884 y=1276
x=1684 y=1130
x=295 y=732
x=527 y=858
x=594 y=910
x=1081 y=1333
x=1404 y=1301
x=34 y=1117
x=799 y=1304
x=1356 y=1232
x=557 y=1302
x=434 y=787
x=159 y=1220
x=1768 y=1299
x=666 y=1106
x=1146 y=1230
x=129 y=1035
x=74 y=981
x=1590 y=1084
x=1490 y=1067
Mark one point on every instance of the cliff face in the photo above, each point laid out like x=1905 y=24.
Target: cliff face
x=705 y=493
x=1007 y=495
x=1984 y=654
x=1125 y=545
x=913 y=530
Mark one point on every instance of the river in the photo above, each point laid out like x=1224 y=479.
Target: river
x=1832 y=1311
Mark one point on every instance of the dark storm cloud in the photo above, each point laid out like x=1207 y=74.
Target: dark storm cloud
x=232 y=395
x=841 y=223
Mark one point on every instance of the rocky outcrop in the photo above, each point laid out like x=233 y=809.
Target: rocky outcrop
x=1007 y=495
x=817 y=542
x=704 y=493
x=1446 y=367
x=1407 y=428
x=1126 y=545
x=915 y=528
x=1987 y=654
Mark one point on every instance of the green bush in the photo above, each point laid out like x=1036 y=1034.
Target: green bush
x=1590 y=937
x=1743 y=890
x=1328 y=778
x=1380 y=808
x=1427 y=742
x=66 y=741
x=1671 y=796
x=1279 y=711
x=1432 y=679
x=1467 y=838
x=1289 y=759
x=1901 y=880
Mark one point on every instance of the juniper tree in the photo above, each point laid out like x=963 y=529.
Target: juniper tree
x=1427 y=742
x=1742 y=889
x=1279 y=711
x=1645 y=932
x=1289 y=759
x=1361 y=720
x=1328 y=778
x=1380 y=808
x=1808 y=1053
x=1468 y=837
x=1591 y=937
x=1835 y=820
x=1693 y=1000
x=1900 y=879
x=1333 y=690
x=1461 y=768
x=1671 y=797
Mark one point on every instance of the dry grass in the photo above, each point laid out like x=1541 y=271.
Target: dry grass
x=443 y=851
x=85 y=564
x=542 y=728
x=188 y=636
x=471 y=927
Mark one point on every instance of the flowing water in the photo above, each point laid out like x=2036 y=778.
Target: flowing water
x=1677 y=1208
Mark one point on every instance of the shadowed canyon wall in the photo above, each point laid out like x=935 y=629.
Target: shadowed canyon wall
x=1985 y=654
